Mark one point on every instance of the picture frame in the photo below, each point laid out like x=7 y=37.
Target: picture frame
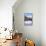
x=28 y=19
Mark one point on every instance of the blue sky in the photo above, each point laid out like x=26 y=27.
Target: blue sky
x=27 y=14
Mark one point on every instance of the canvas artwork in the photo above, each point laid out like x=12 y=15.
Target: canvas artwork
x=28 y=19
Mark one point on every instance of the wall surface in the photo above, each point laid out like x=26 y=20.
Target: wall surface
x=31 y=32
x=43 y=22
x=6 y=13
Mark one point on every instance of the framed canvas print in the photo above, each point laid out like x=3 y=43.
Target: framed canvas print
x=28 y=19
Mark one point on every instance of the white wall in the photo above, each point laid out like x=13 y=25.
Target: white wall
x=43 y=22
x=31 y=32
x=6 y=13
